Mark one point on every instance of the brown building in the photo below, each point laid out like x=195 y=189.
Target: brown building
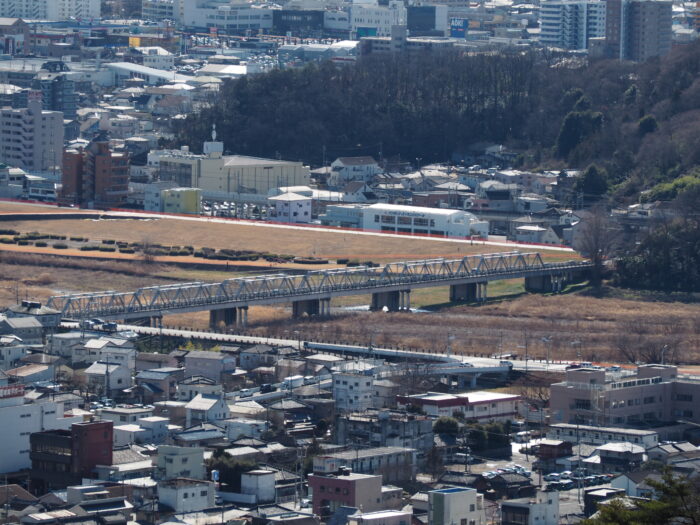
x=638 y=29
x=95 y=177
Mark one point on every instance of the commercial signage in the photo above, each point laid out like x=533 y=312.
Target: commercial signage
x=458 y=27
x=11 y=391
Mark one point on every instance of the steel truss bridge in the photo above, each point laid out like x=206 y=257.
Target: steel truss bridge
x=241 y=292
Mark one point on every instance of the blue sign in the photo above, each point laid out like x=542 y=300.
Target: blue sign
x=458 y=27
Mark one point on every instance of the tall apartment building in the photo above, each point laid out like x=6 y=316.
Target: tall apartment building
x=31 y=138
x=376 y=20
x=51 y=9
x=95 y=177
x=57 y=93
x=638 y=29
x=569 y=24
x=654 y=395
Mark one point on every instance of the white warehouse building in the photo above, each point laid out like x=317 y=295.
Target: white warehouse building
x=442 y=222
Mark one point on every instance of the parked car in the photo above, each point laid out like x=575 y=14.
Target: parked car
x=245 y=392
x=267 y=387
x=552 y=477
x=566 y=485
x=566 y=474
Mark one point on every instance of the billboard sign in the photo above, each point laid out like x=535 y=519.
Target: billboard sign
x=458 y=27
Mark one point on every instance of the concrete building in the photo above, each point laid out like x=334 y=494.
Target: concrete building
x=601 y=435
x=393 y=218
x=31 y=138
x=483 y=406
x=180 y=462
x=14 y=32
x=569 y=24
x=347 y=489
x=655 y=394
x=157 y=10
x=638 y=29
x=291 y=208
x=259 y=483
x=372 y=19
x=20 y=419
x=51 y=9
x=456 y=505
x=218 y=174
x=125 y=414
x=206 y=409
x=57 y=93
x=393 y=463
x=228 y=16
x=181 y=200
x=543 y=509
x=384 y=428
x=186 y=494
x=64 y=457
x=95 y=177
x=354 y=392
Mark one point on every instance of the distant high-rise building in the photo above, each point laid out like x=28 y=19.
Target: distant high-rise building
x=569 y=24
x=638 y=29
x=51 y=9
x=31 y=138
x=58 y=93
x=95 y=176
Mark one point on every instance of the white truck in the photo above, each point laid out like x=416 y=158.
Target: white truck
x=292 y=382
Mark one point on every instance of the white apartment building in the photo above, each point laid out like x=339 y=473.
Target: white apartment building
x=543 y=509
x=375 y=20
x=225 y=16
x=20 y=419
x=51 y=9
x=569 y=24
x=353 y=391
x=157 y=10
x=31 y=138
x=186 y=495
x=178 y=462
x=456 y=505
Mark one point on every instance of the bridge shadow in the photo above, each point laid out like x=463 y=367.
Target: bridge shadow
x=490 y=300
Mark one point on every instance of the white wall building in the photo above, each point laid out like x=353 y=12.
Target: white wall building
x=349 y=169
x=31 y=138
x=569 y=24
x=239 y=426
x=394 y=218
x=291 y=207
x=180 y=462
x=186 y=495
x=157 y=57
x=481 y=405
x=51 y=9
x=353 y=391
x=456 y=505
x=375 y=20
x=259 y=483
x=543 y=509
x=226 y=16
x=19 y=420
x=157 y=10
x=381 y=517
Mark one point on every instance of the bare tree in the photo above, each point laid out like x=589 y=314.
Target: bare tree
x=598 y=239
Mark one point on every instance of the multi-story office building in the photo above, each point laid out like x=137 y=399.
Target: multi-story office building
x=51 y=9
x=654 y=395
x=638 y=29
x=157 y=10
x=31 y=138
x=376 y=20
x=225 y=16
x=95 y=176
x=569 y=24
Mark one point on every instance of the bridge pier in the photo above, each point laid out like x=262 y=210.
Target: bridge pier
x=467 y=381
x=390 y=300
x=325 y=307
x=308 y=306
x=405 y=300
x=463 y=292
x=152 y=321
x=229 y=317
x=482 y=291
x=540 y=283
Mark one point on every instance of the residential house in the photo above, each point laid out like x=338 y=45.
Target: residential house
x=186 y=494
x=635 y=483
x=28 y=329
x=31 y=373
x=543 y=509
x=151 y=360
x=380 y=428
x=209 y=364
x=49 y=318
x=620 y=457
x=480 y=405
x=349 y=169
x=190 y=387
x=206 y=408
x=12 y=349
x=180 y=462
x=159 y=384
x=393 y=463
x=453 y=505
x=117 y=350
x=332 y=491
x=107 y=379
x=126 y=414
x=199 y=435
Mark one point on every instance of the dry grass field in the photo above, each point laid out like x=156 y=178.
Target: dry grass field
x=264 y=238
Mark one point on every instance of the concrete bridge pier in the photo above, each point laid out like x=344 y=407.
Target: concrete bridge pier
x=309 y=307
x=540 y=283
x=390 y=300
x=227 y=316
x=481 y=291
x=325 y=307
x=241 y=316
x=405 y=300
x=153 y=321
x=463 y=292
x=467 y=381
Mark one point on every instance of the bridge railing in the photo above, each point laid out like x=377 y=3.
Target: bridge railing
x=242 y=289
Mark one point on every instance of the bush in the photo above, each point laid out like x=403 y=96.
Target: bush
x=8 y=232
x=107 y=249
x=6 y=240
x=353 y=262
x=24 y=242
x=108 y=241
x=60 y=246
x=199 y=253
x=41 y=244
x=78 y=239
x=343 y=261
x=89 y=248
x=126 y=250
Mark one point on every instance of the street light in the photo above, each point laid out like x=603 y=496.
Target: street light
x=547 y=341
x=663 y=354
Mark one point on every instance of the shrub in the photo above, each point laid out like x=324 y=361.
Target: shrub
x=6 y=240
x=198 y=253
x=24 y=242
x=342 y=261
x=89 y=248
x=8 y=232
x=108 y=241
x=353 y=262
x=107 y=249
x=41 y=244
x=60 y=246
x=126 y=250
x=78 y=239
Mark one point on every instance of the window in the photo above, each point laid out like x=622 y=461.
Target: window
x=203 y=493
x=684 y=397
x=471 y=507
x=185 y=495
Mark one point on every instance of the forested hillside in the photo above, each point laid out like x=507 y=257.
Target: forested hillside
x=639 y=123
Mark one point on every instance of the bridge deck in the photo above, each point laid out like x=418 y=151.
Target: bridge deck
x=284 y=288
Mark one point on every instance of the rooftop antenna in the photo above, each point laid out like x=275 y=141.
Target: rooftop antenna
x=213 y=132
